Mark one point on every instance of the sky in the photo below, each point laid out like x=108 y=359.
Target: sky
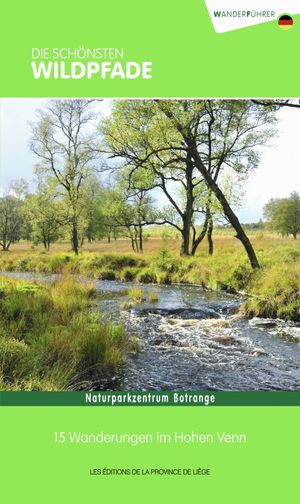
x=276 y=177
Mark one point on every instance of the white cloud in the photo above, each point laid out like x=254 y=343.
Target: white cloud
x=279 y=171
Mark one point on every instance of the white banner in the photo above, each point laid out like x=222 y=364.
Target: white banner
x=228 y=15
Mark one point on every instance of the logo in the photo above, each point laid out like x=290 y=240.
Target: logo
x=285 y=22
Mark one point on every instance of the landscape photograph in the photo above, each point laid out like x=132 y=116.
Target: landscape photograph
x=149 y=244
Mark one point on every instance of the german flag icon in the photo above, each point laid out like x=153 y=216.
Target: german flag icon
x=285 y=22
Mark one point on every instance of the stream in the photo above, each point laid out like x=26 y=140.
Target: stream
x=193 y=339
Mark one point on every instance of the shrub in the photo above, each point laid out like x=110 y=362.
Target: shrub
x=21 y=264
x=107 y=274
x=58 y=262
x=129 y=274
x=12 y=354
x=163 y=277
x=120 y=262
x=278 y=294
x=146 y=276
x=292 y=255
x=117 y=262
x=241 y=277
x=165 y=262
x=290 y=311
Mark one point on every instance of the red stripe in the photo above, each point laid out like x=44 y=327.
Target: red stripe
x=285 y=22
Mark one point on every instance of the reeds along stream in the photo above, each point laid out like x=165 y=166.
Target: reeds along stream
x=189 y=338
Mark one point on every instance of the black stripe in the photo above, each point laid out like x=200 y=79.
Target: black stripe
x=285 y=18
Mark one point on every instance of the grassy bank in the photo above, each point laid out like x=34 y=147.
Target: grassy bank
x=52 y=339
x=274 y=287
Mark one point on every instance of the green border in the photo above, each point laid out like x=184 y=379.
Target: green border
x=151 y=398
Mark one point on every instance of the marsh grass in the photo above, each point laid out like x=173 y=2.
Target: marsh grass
x=134 y=344
x=127 y=305
x=147 y=275
x=227 y=270
x=153 y=297
x=277 y=294
x=136 y=295
x=52 y=339
x=129 y=274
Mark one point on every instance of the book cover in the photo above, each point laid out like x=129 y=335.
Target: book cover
x=149 y=251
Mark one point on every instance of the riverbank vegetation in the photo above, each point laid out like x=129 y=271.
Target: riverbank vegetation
x=274 y=287
x=51 y=338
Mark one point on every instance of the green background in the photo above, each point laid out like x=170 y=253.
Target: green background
x=189 y=58
x=34 y=469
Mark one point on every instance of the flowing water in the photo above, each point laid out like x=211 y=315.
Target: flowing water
x=193 y=339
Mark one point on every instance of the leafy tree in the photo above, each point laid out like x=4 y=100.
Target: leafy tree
x=283 y=215
x=134 y=129
x=119 y=214
x=101 y=215
x=11 y=220
x=123 y=213
x=232 y=187
x=62 y=140
x=135 y=187
x=222 y=136
x=46 y=212
x=194 y=144
x=12 y=213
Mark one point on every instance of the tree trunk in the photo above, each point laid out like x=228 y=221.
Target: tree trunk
x=185 y=244
x=136 y=244
x=5 y=246
x=44 y=241
x=197 y=241
x=132 y=244
x=240 y=233
x=135 y=238
x=209 y=237
x=140 y=239
x=189 y=207
x=131 y=238
x=75 y=238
